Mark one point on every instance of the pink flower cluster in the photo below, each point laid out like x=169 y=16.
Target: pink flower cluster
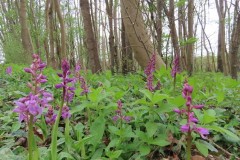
x=67 y=85
x=50 y=117
x=149 y=73
x=175 y=67
x=119 y=114
x=9 y=70
x=38 y=99
x=81 y=79
x=191 y=119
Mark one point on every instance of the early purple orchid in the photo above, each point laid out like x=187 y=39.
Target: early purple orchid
x=149 y=73
x=67 y=85
x=81 y=79
x=176 y=66
x=119 y=115
x=9 y=70
x=191 y=119
x=50 y=117
x=38 y=99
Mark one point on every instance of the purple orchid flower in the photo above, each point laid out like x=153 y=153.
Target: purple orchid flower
x=191 y=119
x=38 y=99
x=119 y=115
x=9 y=70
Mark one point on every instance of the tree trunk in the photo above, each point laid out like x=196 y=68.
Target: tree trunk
x=109 y=8
x=91 y=41
x=62 y=29
x=159 y=26
x=190 y=47
x=127 y=58
x=25 y=35
x=222 y=65
x=173 y=32
x=137 y=33
x=235 y=45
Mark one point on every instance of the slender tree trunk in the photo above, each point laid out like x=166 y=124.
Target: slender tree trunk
x=91 y=41
x=190 y=47
x=109 y=8
x=51 y=36
x=127 y=58
x=222 y=65
x=159 y=26
x=46 y=40
x=26 y=38
x=235 y=45
x=62 y=29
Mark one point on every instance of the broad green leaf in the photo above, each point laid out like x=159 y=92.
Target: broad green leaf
x=177 y=101
x=78 y=108
x=151 y=128
x=63 y=155
x=159 y=97
x=220 y=96
x=224 y=131
x=16 y=126
x=209 y=146
x=97 y=130
x=203 y=149
x=147 y=93
x=97 y=154
x=114 y=154
x=160 y=141
x=144 y=150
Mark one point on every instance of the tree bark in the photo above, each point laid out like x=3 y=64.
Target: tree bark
x=90 y=40
x=235 y=45
x=127 y=58
x=25 y=35
x=137 y=33
x=62 y=29
x=173 y=32
x=222 y=65
x=113 y=54
x=190 y=47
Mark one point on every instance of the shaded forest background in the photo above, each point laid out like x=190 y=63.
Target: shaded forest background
x=121 y=35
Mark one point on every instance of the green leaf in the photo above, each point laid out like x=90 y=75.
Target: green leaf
x=147 y=93
x=220 y=96
x=203 y=149
x=78 y=108
x=160 y=142
x=16 y=126
x=177 y=101
x=208 y=118
x=144 y=150
x=224 y=131
x=209 y=146
x=97 y=130
x=97 y=154
x=63 y=155
x=114 y=154
x=159 y=97
x=151 y=128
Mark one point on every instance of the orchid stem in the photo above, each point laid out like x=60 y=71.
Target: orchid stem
x=55 y=133
x=189 y=145
x=30 y=138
